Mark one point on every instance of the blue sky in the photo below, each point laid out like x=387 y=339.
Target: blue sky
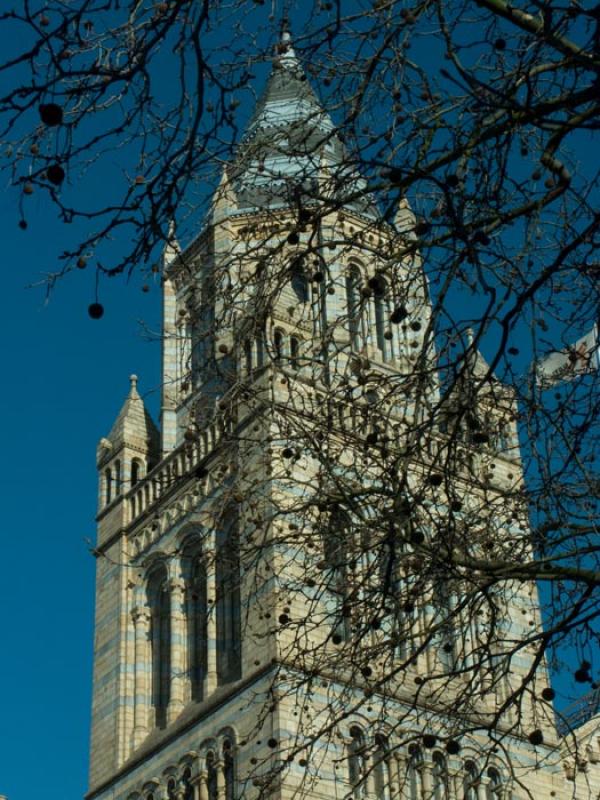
x=64 y=379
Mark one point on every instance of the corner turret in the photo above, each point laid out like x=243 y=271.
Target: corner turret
x=129 y=451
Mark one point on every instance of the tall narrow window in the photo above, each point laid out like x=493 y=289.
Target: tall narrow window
x=196 y=611
x=278 y=345
x=353 y=303
x=211 y=776
x=446 y=636
x=415 y=773
x=336 y=540
x=247 y=356
x=294 y=352
x=379 y=292
x=470 y=781
x=228 y=605
x=108 y=487
x=135 y=471
x=117 y=477
x=187 y=785
x=160 y=641
x=228 y=770
x=300 y=284
x=357 y=767
x=440 y=777
x=381 y=766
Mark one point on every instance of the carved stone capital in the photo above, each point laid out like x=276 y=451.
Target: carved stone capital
x=141 y=616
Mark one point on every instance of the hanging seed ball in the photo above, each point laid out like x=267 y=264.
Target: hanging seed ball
x=388 y=335
x=51 y=114
x=336 y=638
x=417 y=536
x=223 y=349
x=421 y=228
x=139 y=180
x=293 y=238
x=429 y=740
x=415 y=326
x=145 y=288
x=44 y=21
x=34 y=149
x=536 y=737
x=367 y=671
x=96 y=310
x=536 y=175
x=55 y=174
x=582 y=675
x=549 y=183
x=435 y=479
x=514 y=351
x=500 y=44
x=371 y=438
x=452 y=181
x=287 y=452
x=452 y=747
x=303 y=762
x=330 y=290
x=548 y=694
x=284 y=619
x=23 y=224
x=456 y=505
x=398 y=315
x=318 y=277
x=395 y=175
x=28 y=189
x=81 y=262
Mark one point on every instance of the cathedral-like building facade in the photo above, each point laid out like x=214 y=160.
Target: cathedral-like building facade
x=231 y=567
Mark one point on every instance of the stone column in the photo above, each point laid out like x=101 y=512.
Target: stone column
x=178 y=676
x=142 y=668
x=220 y=769
x=210 y=679
x=201 y=787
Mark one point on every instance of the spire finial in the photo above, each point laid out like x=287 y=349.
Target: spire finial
x=133 y=379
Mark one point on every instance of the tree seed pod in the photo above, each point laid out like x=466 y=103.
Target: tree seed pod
x=55 y=174
x=51 y=114
x=96 y=310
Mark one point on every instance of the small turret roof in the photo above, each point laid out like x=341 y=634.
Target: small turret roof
x=134 y=425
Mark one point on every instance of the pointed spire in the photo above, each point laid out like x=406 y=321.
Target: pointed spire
x=405 y=219
x=134 y=425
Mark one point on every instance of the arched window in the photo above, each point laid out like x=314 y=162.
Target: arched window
x=136 y=471
x=353 y=303
x=357 y=767
x=440 y=777
x=278 y=345
x=211 y=776
x=229 y=770
x=196 y=612
x=160 y=641
x=294 y=352
x=186 y=784
x=108 y=485
x=415 y=773
x=228 y=605
x=172 y=789
x=470 y=781
x=493 y=790
x=381 y=767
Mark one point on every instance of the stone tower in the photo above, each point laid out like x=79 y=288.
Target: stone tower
x=226 y=629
